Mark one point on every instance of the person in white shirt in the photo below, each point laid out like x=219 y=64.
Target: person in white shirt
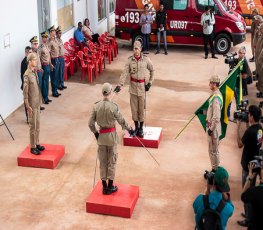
x=208 y=21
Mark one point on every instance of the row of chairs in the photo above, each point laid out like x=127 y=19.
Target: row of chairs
x=91 y=58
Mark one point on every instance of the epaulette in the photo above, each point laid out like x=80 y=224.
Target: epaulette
x=130 y=57
x=97 y=102
x=26 y=72
x=144 y=55
x=116 y=106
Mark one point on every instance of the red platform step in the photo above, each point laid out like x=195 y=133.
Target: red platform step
x=120 y=203
x=49 y=158
x=152 y=138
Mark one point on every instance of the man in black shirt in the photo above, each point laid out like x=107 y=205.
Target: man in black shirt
x=23 y=69
x=161 y=18
x=251 y=141
x=254 y=196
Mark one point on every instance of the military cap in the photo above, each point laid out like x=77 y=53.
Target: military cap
x=33 y=40
x=137 y=44
x=44 y=34
x=214 y=79
x=51 y=29
x=58 y=29
x=31 y=56
x=106 y=88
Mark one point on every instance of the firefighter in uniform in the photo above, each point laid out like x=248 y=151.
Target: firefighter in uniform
x=54 y=52
x=45 y=59
x=136 y=69
x=34 y=46
x=213 y=122
x=33 y=100
x=105 y=113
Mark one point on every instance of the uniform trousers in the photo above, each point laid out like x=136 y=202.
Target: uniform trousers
x=34 y=127
x=61 y=71
x=54 y=75
x=46 y=69
x=213 y=151
x=108 y=158
x=137 y=107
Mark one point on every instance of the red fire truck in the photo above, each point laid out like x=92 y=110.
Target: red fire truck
x=183 y=22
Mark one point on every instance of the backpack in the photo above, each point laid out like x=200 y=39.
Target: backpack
x=211 y=220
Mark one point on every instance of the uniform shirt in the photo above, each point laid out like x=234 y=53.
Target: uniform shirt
x=78 y=35
x=31 y=89
x=23 y=70
x=137 y=70
x=252 y=141
x=214 y=113
x=39 y=66
x=253 y=28
x=61 y=47
x=54 y=48
x=207 y=29
x=161 y=18
x=214 y=198
x=147 y=19
x=106 y=113
x=254 y=196
x=44 y=54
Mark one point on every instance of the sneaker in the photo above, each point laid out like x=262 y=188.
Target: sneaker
x=166 y=53
x=157 y=52
x=206 y=56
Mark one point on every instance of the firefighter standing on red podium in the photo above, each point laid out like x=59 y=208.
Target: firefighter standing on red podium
x=136 y=69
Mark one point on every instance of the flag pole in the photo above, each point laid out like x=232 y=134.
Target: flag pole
x=190 y=120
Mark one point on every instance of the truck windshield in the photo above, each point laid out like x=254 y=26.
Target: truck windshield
x=222 y=5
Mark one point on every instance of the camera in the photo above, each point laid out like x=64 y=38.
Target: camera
x=231 y=60
x=258 y=162
x=209 y=176
x=242 y=113
x=208 y=22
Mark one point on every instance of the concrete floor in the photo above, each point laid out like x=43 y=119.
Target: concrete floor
x=34 y=198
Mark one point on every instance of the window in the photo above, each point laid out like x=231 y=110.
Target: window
x=101 y=9
x=180 y=4
x=201 y=4
x=112 y=5
x=65 y=14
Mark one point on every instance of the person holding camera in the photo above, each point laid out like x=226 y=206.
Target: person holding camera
x=213 y=123
x=213 y=209
x=208 y=21
x=251 y=141
x=254 y=196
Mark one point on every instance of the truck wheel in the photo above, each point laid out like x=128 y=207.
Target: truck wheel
x=137 y=37
x=222 y=43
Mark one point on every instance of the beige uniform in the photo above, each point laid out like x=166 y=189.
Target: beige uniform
x=61 y=47
x=53 y=47
x=32 y=93
x=39 y=66
x=214 y=124
x=105 y=113
x=44 y=53
x=137 y=72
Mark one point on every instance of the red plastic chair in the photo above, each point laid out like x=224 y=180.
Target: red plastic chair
x=86 y=66
x=67 y=67
x=93 y=57
x=72 y=54
x=106 y=48
x=114 y=42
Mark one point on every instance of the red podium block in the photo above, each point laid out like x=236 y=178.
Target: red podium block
x=120 y=203
x=152 y=138
x=49 y=158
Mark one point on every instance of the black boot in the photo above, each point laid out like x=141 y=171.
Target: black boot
x=136 y=127
x=105 y=187
x=35 y=151
x=40 y=147
x=111 y=188
x=140 y=131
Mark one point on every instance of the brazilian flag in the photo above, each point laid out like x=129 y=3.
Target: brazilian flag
x=227 y=89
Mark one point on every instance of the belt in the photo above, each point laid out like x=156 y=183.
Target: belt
x=54 y=58
x=60 y=56
x=109 y=130
x=39 y=70
x=138 y=81
x=45 y=64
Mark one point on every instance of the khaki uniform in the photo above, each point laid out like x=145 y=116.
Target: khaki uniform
x=259 y=69
x=137 y=71
x=214 y=124
x=53 y=47
x=39 y=66
x=105 y=113
x=61 y=47
x=32 y=93
x=44 y=53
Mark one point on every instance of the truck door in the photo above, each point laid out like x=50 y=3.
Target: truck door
x=179 y=24
x=196 y=14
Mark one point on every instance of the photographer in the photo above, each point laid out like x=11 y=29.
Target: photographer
x=213 y=209
x=251 y=141
x=254 y=196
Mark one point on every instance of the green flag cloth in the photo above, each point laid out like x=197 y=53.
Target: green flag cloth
x=227 y=89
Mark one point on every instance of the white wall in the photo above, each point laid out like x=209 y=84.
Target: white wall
x=22 y=27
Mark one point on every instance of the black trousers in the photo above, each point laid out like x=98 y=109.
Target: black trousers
x=95 y=38
x=209 y=38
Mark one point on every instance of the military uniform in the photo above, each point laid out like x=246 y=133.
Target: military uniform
x=32 y=93
x=54 y=53
x=105 y=113
x=61 y=61
x=214 y=126
x=137 y=70
x=259 y=61
x=45 y=62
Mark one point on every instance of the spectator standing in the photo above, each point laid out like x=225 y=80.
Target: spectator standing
x=253 y=28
